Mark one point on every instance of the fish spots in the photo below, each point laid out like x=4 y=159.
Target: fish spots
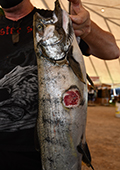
x=71 y=97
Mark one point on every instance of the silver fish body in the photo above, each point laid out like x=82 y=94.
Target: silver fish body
x=62 y=95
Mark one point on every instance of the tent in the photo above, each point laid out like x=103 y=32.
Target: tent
x=106 y=14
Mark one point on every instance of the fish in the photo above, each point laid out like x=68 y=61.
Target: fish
x=62 y=86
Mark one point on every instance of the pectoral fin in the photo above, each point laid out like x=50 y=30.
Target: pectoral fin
x=75 y=65
x=84 y=150
x=90 y=81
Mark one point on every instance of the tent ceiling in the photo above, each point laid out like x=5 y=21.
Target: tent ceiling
x=106 y=13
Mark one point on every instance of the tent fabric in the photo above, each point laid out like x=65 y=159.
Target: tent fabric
x=106 y=14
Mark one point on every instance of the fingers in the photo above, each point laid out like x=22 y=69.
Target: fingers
x=82 y=30
x=80 y=18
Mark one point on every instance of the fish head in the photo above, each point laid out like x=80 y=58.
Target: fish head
x=53 y=36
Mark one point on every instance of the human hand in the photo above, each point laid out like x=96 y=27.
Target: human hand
x=80 y=18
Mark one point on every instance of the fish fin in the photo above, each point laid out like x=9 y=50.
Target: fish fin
x=36 y=139
x=58 y=11
x=90 y=81
x=75 y=65
x=84 y=150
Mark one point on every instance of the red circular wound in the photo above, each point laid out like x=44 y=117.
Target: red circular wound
x=71 y=98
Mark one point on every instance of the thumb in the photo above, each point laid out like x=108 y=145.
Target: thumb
x=75 y=2
x=75 y=6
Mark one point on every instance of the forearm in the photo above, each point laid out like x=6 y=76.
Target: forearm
x=101 y=44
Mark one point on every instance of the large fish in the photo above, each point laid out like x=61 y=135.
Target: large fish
x=62 y=93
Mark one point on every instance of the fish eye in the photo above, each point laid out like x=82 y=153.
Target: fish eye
x=40 y=27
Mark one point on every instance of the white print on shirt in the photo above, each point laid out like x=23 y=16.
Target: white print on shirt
x=19 y=108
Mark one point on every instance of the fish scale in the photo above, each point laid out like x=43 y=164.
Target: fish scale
x=62 y=93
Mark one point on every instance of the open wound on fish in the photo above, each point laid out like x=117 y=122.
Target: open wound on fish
x=71 y=98
x=62 y=97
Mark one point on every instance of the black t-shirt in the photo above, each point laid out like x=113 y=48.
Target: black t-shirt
x=18 y=83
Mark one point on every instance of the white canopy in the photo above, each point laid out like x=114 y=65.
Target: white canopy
x=106 y=14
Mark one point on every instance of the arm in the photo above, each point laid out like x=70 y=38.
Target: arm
x=101 y=44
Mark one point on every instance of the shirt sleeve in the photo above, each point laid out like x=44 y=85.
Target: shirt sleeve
x=84 y=47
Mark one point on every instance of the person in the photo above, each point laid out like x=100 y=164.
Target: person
x=91 y=93
x=18 y=76
x=100 y=43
